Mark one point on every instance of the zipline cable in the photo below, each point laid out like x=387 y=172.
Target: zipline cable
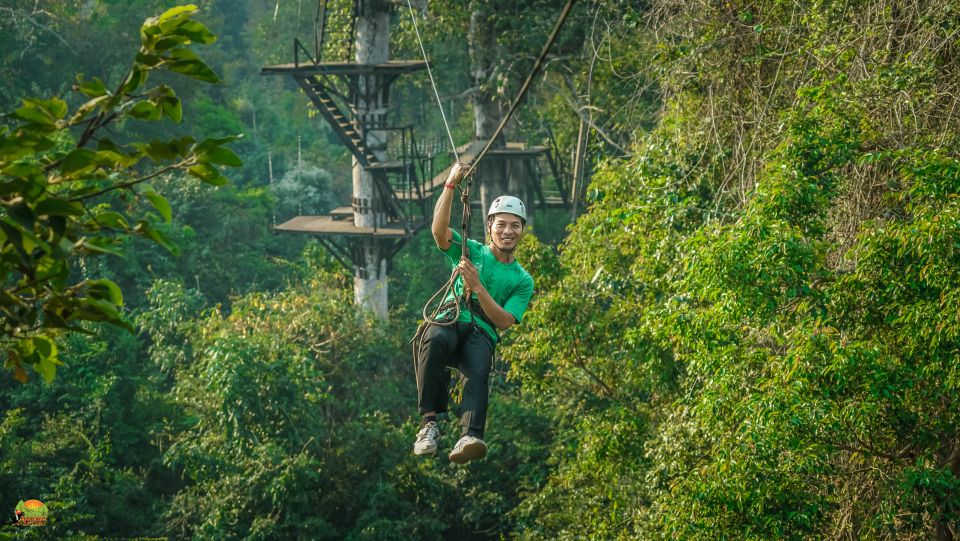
x=443 y=115
x=524 y=87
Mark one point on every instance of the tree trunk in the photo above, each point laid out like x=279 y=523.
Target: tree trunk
x=487 y=108
x=372 y=47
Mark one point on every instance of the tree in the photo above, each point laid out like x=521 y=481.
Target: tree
x=57 y=168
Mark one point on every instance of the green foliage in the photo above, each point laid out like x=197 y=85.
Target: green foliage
x=51 y=182
x=751 y=334
x=86 y=444
x=294 y=419
x=784 y=349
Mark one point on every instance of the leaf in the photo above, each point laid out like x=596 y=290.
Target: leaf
x=47 y=368
x=102 y=310
x=195 y=31
x=149 y=60
x=172 y=108
x=58 y=207
x=134 y=80
x=177 y=11
x=15 y=147
x=186 y=62
x=161 y=204
x=23 y=170
x=111 y=219
x=97 y=246
x=44 y=346
x=146 y=230
x=120 y=160
x=79 y=160
x=207 y=144
x=208 y=174
x=22 y=214
x=194 y=69
x=88 y=107
x=13 y=237
x=145 y=110
x=93 y=88
x=34 y=114
x=55 y=108
x=223 y=156
x=168 y=43
x=183 y=144
x=105 y=289
x=159 y=151
x=19 y=374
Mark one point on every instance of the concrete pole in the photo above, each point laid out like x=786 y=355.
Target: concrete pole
x=372 y=47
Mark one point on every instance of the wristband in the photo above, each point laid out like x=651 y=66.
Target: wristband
x=450 y=186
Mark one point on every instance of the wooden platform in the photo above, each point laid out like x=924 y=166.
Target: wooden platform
x=393 y=67
x=328 y=226
x=389 y=167
x=467 y=153
x=342 y=213
x=514 y=150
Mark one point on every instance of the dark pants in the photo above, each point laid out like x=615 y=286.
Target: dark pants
x=467 y=348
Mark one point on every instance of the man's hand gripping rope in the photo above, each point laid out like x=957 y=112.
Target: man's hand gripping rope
x=471 y=279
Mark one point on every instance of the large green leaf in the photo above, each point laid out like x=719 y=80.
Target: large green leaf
x=222 y=156
x=172 y=108
x=159 y=203
x=186 y=62
x=79 y=160
x=145 y=229
x=144 y=110
x=93 y=88
x=195 y=31
x=208 y=174
x=178 y=11
x=105 y=289
x=97 y=246
x=58 y=207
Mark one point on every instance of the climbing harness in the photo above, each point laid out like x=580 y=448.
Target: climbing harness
x=441 y=316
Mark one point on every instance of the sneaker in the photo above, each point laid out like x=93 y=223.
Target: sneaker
x=426 y=443
x=467 y=449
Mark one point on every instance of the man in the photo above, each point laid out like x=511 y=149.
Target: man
x=500 y=291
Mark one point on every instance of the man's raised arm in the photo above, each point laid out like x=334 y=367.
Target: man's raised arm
x=442 y=234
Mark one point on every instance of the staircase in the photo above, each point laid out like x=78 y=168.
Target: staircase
x=339 y=123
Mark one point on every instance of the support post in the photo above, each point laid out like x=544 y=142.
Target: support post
x=372 y=47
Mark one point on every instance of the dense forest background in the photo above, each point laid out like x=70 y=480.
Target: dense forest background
x=751 y=332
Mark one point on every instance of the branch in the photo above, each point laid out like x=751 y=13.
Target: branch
x=465 y=94
x=579 y=110
x=98 y=122
x=131 y=183
x=13 y=13
x=578 y=360
x=869 y=450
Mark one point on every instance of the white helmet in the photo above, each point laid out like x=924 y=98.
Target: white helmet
x=508 y=203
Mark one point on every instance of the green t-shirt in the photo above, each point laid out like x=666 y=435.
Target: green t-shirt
x=508 y=283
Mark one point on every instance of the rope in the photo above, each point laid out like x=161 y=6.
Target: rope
x=443 y=115
x=448 y=288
